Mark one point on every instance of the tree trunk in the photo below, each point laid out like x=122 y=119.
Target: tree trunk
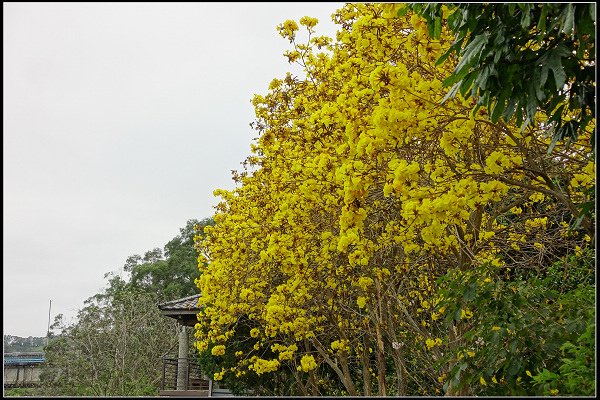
x=456 y=337
x=366 y=362
x=382 y=391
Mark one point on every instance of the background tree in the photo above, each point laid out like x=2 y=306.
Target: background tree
x=169 y=273
x=20 y=344
x=114 y=347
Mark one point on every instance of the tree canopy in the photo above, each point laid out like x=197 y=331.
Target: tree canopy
x=339 y=259
x=169 y=273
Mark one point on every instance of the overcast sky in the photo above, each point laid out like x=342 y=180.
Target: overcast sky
x=120 y=119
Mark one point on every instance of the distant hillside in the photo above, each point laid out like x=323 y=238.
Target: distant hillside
x=16 y=343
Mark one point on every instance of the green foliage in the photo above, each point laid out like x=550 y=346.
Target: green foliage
x=109 y=352
x=25 y=392
x=115 y=347
x=520 y=327
x=577 y=375
x=20 y=344
x=171 y=273
x=517 y=58
x=278 y=383
x=574 y=270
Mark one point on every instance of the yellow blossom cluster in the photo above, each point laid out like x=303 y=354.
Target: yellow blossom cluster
x=307 y=363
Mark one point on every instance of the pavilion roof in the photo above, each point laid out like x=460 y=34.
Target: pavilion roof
x=184 y=310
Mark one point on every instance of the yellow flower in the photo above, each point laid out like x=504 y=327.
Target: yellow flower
x=218 y=375
x=308 y=21
x=262 y=366
x=288 y=29
x=361 y=301
x=537 y=197
x=496 y=162
x=218 y=350
x=431 y=343
x=466 y=313
x=355 y=169
x=307 y=363
x=482 y=381
x=292 y=55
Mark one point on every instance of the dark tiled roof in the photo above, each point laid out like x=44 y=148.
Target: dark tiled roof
x=185 y=304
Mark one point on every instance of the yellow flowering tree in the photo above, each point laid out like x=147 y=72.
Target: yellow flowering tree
x=362 y=190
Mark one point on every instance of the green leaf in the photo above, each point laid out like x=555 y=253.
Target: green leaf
x=515 y=366
x=569 y=21
x=557 y=116
x=538 y=84
x=466 y=84
x=451 y=93
x=472 y=52
x=497 y=56
x=416 y=7
x=403 y=11
x=453 y=19
x=542 y=20
x=526 y=17
x=531 y=107
x=497 y=110
x=555 y=138
x=510 y=108
x=457 y=314
x=557 y=70
x=519 y=115
x=437 y=30
x=526 y=123
x=455 y=77
x=470 y=292
x=455 y=47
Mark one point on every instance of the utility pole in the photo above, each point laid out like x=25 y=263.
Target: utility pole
x=48 y=331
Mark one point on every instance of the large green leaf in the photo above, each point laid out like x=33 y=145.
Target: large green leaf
x=466 y=84
x=555 y=66
x=569 y=21
x=472 y=52
x=499 y=105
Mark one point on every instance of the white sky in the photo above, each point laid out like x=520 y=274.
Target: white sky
x=120 y=119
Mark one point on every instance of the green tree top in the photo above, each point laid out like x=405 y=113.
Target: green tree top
x=169 y=273
x=518 y=58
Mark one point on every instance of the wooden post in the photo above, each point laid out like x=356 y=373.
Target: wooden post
x=182 y=362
